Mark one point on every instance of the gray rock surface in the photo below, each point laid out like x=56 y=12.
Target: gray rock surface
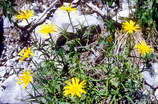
x=12 y=92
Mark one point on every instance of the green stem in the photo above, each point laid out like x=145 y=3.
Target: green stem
x=35 y=89
x=51 y=38
x=52 y=41
x=130 y=44
x=71 y=21
x=27 y=21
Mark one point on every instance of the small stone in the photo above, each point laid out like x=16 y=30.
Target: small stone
x=156 y=94
x=148 y=78
x=155 y=67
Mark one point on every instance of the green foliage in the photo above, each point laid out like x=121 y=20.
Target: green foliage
x=147 y=13
x=111 y=25
x=116 y=81
x=123 y=80
x=8 y=8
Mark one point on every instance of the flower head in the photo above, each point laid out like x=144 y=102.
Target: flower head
x=130 y=26
x=25 y=14
x=25 y=78
x=74 y=87
x=143 y=48
x=46 y=29
x=68 y=8
x=25 y=53
x=109 y=39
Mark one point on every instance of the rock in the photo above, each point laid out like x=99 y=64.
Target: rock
x=61 y=19
x=150 y=79
x=155 y=67
x=151 y=75
x=12 y=92
x=2 y=72
x=7 y=23
x=156 y=94
x=125 y=11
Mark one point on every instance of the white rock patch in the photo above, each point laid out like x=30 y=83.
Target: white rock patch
x=61 y=19
x=151 y=76
x=13 y=92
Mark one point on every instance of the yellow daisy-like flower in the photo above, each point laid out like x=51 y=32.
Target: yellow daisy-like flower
x=109 y=39
x=25 y=78
x=143 y=48
x=74 y=87
x=68 y=8
x=46 y=29
x=25 y=14
x=130 y=26
x=25 y=53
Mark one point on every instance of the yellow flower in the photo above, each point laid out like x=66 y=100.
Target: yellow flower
x=109 y=39
x=143 y=48
x=25 y=53
x=25 y=14
x=46 y=29
x=73 y=87
x=130 y=26
x=68 y=8
x=25 y=78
